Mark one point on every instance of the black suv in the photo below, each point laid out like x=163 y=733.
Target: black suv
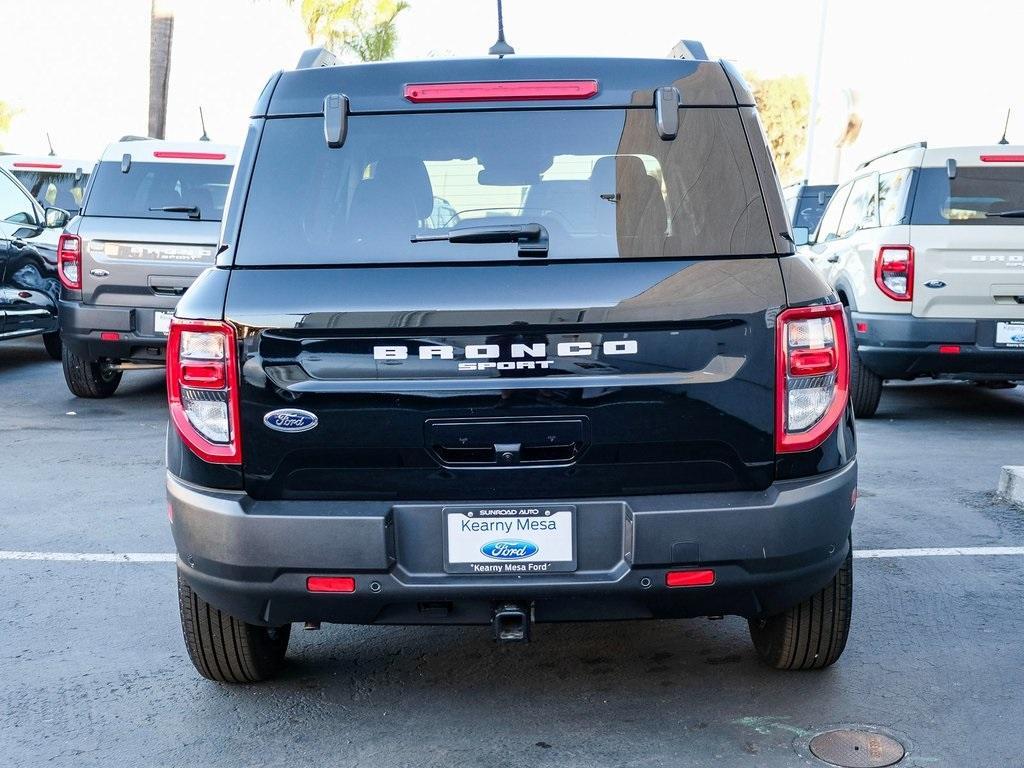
x=508 y=341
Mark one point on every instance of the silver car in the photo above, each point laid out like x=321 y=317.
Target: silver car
x=149 y=225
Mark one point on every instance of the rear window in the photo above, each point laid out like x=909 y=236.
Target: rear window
x=810 y=206
x=601 y=182
x=973 y=198
x=147 y=189
x=55 y=189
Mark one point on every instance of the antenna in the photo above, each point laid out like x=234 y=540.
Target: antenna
x=202 y=122
x=52 y=153
x=1005 y=126
x=500 y=47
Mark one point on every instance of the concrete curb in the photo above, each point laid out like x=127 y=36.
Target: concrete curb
x=1011 y=485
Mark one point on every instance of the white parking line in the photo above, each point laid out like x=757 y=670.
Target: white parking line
x=169 y=557
x=937 y=552
x=91 y=557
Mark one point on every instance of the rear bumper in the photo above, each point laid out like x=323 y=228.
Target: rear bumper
x=82 y=324
x=769 y=550
x=906 y=347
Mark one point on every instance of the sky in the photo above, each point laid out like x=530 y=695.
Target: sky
x=945 y=71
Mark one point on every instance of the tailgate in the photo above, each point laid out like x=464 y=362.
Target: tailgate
x=494 y=381
x=968 y=272
x=143 y=262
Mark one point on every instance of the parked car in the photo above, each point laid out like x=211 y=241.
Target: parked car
x=28 y=265
x=149 y=225
x=53 y=181
x=925 y=247
x=805 y=203
x=609 y=391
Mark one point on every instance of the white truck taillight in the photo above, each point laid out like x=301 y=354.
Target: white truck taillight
x=894 y=271
x=69 y=261
x=813 y=376
x=202 y=388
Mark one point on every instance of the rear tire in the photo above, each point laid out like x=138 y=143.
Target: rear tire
x=87 y=378
x=865 y=388
x=226 y=649
x=53 y=345
x=813 y=634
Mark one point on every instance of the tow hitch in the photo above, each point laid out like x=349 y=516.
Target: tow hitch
x=511 y=623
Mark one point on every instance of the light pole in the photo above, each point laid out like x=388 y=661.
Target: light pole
x=812 y=117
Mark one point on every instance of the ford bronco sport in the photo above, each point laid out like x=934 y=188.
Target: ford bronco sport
x=149 y=225
x=508 y=341
x=925 y=247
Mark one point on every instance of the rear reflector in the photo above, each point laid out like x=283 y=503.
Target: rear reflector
x=703 y=578
x=1002 y=158
x=110 y=336
x=37 y=165
x=331 y=584
x=949 y=349
x=166 y=155
x=862 y=327
x=516 y=90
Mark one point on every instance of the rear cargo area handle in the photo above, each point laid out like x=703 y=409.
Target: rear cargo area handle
x=507 y=443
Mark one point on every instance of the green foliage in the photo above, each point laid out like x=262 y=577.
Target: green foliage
x=365 y=28
x=784 y=104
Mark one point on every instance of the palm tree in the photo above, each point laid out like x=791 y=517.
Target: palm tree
x=365 y=28
x=161 y=31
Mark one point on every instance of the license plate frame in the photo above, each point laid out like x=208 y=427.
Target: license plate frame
x=162 y=322
x=1007 y=333
x=468 y=529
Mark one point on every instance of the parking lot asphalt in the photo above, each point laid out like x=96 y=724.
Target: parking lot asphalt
x=93 y=671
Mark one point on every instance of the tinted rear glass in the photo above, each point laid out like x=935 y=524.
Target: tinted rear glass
x=808 y=209
x=970 y=198
x=147 y=187
x=55 y=189
x=601 y=182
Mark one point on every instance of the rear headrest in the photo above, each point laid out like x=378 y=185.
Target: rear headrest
x=408 y=175
x=615 y=173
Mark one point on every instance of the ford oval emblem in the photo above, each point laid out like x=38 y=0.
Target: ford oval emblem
x=508 y=549
x=291 y=420
x=935 y=284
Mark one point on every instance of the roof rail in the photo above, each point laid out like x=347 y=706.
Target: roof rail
x=914 y=145
x=312 y=58
x=688 y=49
x=131 y=137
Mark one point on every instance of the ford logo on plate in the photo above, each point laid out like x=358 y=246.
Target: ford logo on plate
x=508 y=549
x=291 y=420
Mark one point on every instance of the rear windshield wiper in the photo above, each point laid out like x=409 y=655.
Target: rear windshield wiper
x=531 y=238
x=1007 y=214
x=191 y=210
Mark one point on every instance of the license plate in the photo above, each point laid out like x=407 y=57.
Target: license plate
x=502 y=539
x=162 y=322
x=1010 y=334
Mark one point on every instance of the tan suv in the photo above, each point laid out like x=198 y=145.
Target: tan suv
x=925 y=247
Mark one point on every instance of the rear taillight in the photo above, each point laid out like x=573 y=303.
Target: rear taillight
x=69 y=261
x=813 y=376
x=202 y=388
x=894 y=271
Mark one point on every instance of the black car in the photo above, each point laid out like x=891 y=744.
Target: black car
x=603 y=388
x=29 y=288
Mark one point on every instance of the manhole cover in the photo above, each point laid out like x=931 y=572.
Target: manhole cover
x=848 y=748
